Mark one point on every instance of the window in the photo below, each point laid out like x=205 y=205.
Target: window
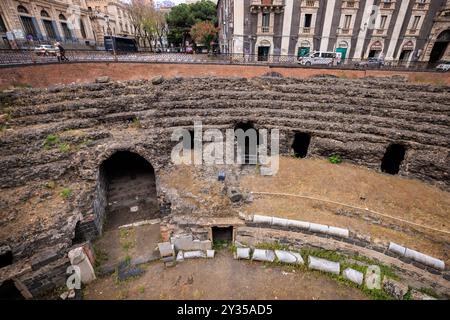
x=308 y=19
x=44 y=14
x=265 y=22
x=22 y=9
x=347 y=21
x=2 y=25
x=383 y=22
x=62 y=17
x=66 y=30
x=415 y=22
x=82 y=29
x=49 y=29
x=28 y=26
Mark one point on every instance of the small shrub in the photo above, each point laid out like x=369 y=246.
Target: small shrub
x=335 y=159
x=66 y=193
x=141 y=289
x=51 y=140
x=64 y=147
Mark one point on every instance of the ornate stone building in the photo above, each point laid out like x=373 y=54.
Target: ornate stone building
x=405 y=30
x=73 y=22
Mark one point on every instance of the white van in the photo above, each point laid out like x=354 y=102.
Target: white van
x=318 y=58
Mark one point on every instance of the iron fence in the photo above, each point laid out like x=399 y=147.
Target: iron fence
x=29 y=56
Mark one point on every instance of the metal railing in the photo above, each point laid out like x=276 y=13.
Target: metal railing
x=23 y=57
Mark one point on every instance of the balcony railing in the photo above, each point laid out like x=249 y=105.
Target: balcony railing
x=387 y=5
x=350 y=4
x=380 y=31
x=267 y=3
x=306 y=30
x=264 y=29
x=344 y=31
x=309 y=3
x=412 y=31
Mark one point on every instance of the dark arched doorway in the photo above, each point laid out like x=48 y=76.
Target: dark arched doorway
x=440 y=46
x=392 y=159
x=131 y=189
x=300 y=144
x=247 y=142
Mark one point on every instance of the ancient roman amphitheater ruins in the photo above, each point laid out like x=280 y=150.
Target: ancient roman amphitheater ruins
x=80 y=160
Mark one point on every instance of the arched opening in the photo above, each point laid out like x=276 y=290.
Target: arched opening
x=392 y=159
x=44 y=14
x=6 y=256
x=300 y=144
x=9 y=291
x=130 y=189
x=440 y=46
x=22 y=9
x=247 y=142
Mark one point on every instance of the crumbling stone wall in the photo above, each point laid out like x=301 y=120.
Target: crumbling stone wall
x=356 y=119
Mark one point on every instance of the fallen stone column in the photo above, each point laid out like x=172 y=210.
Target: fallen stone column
x=353 y=275
x=263 y=255
x=242 y=253
x=289 y=257
x=194 y=254
x=324 y=265
x=417 y=256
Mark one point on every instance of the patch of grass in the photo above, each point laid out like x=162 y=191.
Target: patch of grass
x=141 y=289
x=65 y=147
x=335 y=159
x=66 y=193
x=429 y=292
x=51 y=140
x=124 y=233
x=100 y=257
x=127 y=245
x=220 y=244
x=136 y=123
x=324 y=254
x=407 y=296
x=127 y=260
x=271 y=246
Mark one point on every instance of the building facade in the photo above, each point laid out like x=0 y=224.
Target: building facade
x=72 y=22
x=406 y=30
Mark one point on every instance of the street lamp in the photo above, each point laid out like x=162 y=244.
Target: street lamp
x=109 y=31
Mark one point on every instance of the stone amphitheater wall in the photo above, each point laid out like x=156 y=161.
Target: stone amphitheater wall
x=355 y=118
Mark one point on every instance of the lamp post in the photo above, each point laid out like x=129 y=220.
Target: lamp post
x=108 y=30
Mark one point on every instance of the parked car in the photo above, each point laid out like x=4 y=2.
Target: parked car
x=189 y=50
x=318 y=58
x=444 y=66
x=370 y=63
x=46 y=50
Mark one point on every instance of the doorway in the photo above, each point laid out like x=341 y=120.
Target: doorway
x=263 y=53
x=392 y=159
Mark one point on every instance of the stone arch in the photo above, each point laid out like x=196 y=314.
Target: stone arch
x=375 y=48
x=406 y=51
x=22 y=9
x=126 y=189
x=440 y=47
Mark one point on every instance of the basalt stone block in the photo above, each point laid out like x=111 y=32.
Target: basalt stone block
x=394 y=288
x=104 y=79
x=157 y=80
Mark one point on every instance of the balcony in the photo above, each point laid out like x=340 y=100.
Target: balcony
x=307 y=30
x=380 y=31
x=309 y=4
x=350 y=4
x=272 y=5
x=412 y=32
x=264 y=30
x=389 y=5
x=421 y=6
x=344 y=31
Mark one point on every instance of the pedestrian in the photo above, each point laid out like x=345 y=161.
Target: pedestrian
x=62 y=53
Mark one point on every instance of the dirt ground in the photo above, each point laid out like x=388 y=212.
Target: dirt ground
x=221 y=278
x=395 y=196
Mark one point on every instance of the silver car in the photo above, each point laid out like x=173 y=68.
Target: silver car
x=444 y=66
x=46 y=50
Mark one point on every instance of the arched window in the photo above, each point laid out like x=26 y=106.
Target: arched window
x=44 y=14
x=22 y=9
x=62 y=17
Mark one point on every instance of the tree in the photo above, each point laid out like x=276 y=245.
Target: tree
x=204 y=32
x=149 y=24
x=182 y=17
